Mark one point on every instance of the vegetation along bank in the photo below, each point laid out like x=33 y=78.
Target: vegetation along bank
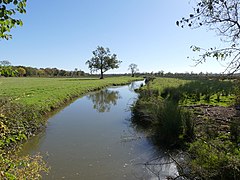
x=197 y=117
x=24 y=106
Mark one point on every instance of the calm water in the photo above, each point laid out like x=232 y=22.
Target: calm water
x=93 y=139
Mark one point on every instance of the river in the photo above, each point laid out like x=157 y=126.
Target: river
x=93 y=138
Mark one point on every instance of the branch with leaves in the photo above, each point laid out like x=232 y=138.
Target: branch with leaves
x=222 y=16
x=8 y=20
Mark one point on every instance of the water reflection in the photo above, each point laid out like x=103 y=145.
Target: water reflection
x=81 y=143
x=135 y=85
x=104 y=100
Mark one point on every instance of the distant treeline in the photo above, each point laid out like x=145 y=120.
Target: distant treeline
x=7 y=70
x=51 y=72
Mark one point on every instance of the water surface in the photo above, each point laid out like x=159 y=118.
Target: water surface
x=92 y=139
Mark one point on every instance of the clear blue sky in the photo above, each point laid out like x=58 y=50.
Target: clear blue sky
x=63 y=34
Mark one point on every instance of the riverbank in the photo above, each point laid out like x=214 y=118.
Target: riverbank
x=25 y=102
x=197 y=116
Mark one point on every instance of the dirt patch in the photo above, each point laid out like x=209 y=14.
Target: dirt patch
x=214 y=119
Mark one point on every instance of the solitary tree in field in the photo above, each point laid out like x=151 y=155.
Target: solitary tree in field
x=103 y=60
x=8 y=10
x=133 y=68
x=222 y=16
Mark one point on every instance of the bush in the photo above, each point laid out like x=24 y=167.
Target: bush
x=214 y=159
x=235 y=129
x=13 y=167
x=17 y=123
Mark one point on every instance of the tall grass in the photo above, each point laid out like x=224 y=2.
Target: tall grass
x=168 y=124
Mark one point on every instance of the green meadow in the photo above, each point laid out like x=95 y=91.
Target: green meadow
x=49 y=93
x=195 y=91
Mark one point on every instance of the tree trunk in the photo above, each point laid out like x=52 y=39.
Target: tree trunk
x=101 y=75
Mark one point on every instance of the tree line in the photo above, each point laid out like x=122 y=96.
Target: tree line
x=7 y=70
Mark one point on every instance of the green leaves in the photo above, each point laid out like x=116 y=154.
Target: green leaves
x=8 y=8
x=102 y=60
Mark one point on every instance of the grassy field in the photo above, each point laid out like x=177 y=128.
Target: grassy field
x=50 y=93
x=193 y=92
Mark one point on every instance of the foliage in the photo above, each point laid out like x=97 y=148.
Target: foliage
x=103 y=60
x=215 y=159
x=21 y=71
x=195 y=91
x=13 y=167
x=235 y=129
x=17 y=123
x=168 y=123
x=8 y=10
x=133 y=68
x=6 y=69
x=222 y=17
x=50 y=72
x=211 y=153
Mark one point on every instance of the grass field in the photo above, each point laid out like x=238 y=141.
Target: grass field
x=49 y=93
x=193 y=92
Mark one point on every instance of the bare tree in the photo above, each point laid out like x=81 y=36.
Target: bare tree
x=222 y=16
x=133 y=68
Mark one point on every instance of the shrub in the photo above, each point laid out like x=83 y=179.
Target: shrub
x=13 y=167
x=235 y=129
x=17 y=123
x=214 y=159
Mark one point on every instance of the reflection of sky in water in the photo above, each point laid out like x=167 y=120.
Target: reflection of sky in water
x=82 y=143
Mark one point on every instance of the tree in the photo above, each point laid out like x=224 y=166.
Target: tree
x=103 y=60
x=6 y=69
x=5 y=63
x=221 y=16
x=21 y=71
x=40 y=72
x=8 y=10
x=133 y=68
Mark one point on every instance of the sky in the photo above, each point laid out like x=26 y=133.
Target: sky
x=63 y=34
